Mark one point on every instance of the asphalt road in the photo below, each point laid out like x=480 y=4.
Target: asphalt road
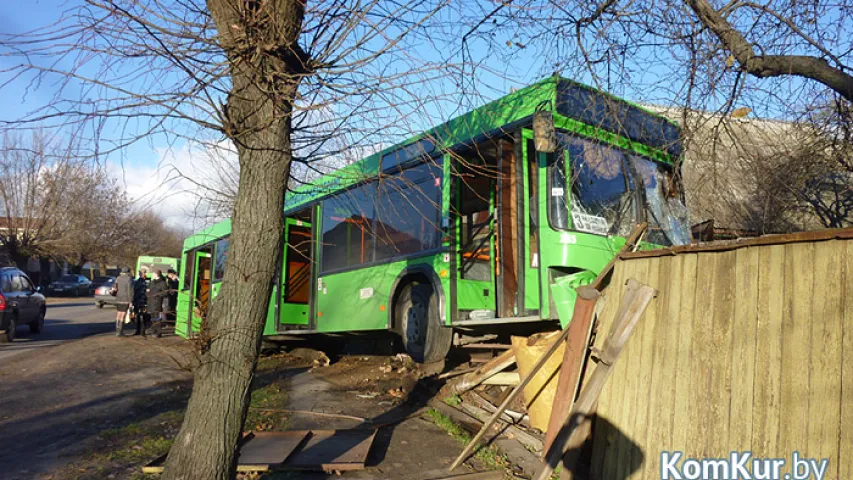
x=66 y=319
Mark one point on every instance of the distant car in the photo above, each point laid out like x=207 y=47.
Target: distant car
x=98 y=281
x=75 y=285
x=104 y=294
x=20 y=303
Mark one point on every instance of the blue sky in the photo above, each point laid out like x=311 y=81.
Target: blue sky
x=145 y=165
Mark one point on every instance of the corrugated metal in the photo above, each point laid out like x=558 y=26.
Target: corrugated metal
x=745 y=349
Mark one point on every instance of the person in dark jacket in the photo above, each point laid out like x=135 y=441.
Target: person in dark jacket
x=124 y=296
x=158 y=301
x=172 y=282
x=140 y=297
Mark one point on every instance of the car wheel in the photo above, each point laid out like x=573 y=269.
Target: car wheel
x=424 y=338
x=37 y=325
x=9 y=336
x=99 y=304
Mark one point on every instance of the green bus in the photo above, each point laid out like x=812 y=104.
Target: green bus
x=467 y=226
x=151 y=264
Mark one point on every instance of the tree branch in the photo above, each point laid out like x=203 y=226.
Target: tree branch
x=763 y=66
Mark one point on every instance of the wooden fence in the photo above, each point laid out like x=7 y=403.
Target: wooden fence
x=747 y=347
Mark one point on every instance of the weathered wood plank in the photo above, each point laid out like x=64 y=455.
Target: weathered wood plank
x=796 y=347
x=768 y=353
x=684 y=358
x=720 y=393
x=608 y=403
x=824 y=391
x=702 y=348
x=644 y=335
x=630 y=356
x=845 y=465
x=743 y=349
x=659 y=437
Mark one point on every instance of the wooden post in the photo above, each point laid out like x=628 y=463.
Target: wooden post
x=573 y=358
x=637 y=297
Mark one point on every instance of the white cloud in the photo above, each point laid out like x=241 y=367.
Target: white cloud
x=173 y=186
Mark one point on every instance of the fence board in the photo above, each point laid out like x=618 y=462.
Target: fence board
x=747 y=349
x=684 y=356
x=824 y=390
x=846 y=424
x=743 y=349
x=768 y=367
x=796 y=338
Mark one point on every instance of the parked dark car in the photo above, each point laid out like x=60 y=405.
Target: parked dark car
x=104 y=294
x=20 y=303
x=99 y=281
x=75 y=285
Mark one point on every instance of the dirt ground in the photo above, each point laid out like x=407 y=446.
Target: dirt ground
x=102 y=407
x=56 y=401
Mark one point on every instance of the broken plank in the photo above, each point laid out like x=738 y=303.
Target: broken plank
x=490 y=368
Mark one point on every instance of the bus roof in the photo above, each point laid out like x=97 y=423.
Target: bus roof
x=574 y=101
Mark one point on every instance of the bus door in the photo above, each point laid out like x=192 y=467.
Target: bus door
x=507 y=239
x=294 y=308
x=201 y=288
x=475 y=199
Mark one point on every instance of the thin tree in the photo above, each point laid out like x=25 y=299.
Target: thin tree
x=276 y=78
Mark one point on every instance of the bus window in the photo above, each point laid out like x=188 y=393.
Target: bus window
x=408 y=211
x=347 y=228
x=189 y=264
x=602 y=188
x=219 y=262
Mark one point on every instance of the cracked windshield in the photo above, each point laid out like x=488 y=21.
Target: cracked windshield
x=604 y=198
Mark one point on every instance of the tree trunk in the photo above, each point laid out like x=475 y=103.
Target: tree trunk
x=258 y=121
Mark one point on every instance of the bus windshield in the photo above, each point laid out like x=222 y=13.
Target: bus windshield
x=666 y=215
x=602 y=197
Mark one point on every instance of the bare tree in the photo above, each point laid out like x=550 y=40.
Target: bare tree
x=276 y=78
x=707 y=64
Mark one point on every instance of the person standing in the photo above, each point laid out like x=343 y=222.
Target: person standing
x=157 y=296
x=140 y=296
x=124 y=297
x=172 y=298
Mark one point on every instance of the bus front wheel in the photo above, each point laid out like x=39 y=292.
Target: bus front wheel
x=424 y=338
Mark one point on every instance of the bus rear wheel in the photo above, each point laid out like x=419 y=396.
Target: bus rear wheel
x=424 y=338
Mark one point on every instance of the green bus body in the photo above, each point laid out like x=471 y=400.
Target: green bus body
x=525 y=266
x=151 y=264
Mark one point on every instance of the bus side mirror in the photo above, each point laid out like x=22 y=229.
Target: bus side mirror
x=544 y=134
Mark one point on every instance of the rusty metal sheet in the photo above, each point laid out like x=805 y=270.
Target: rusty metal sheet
x=331 y=450
x=270 y=448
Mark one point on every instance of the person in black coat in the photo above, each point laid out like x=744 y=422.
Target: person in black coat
x=140 y=300
x=158 y=301
x=172 y=298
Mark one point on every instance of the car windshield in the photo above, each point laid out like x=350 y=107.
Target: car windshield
x=68 y=279
x=108 y=282
x=102 y=279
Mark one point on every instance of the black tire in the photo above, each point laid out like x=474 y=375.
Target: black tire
x=419 y=324
x=9 y=335
x=37 y=325
x=99 y=304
